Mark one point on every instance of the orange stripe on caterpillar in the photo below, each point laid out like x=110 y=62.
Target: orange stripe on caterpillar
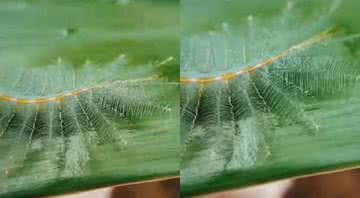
x=63 y=96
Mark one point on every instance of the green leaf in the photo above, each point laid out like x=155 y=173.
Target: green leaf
x=265 y=97
x=75 y=111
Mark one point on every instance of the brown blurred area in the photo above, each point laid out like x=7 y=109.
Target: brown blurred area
x=162 y=189
x=169 y=188
x=335 y=185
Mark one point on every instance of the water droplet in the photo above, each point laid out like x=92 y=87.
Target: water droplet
x=70 y=31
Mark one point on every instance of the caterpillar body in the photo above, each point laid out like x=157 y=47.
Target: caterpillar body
x=53 y=117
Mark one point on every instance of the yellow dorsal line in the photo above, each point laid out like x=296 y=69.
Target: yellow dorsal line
x=307 y=43
x=61 y=97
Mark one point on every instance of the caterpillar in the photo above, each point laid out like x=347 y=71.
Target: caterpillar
x=242 y=82
x=53 y=117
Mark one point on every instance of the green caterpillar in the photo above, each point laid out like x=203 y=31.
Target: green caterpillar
x=61 y=114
